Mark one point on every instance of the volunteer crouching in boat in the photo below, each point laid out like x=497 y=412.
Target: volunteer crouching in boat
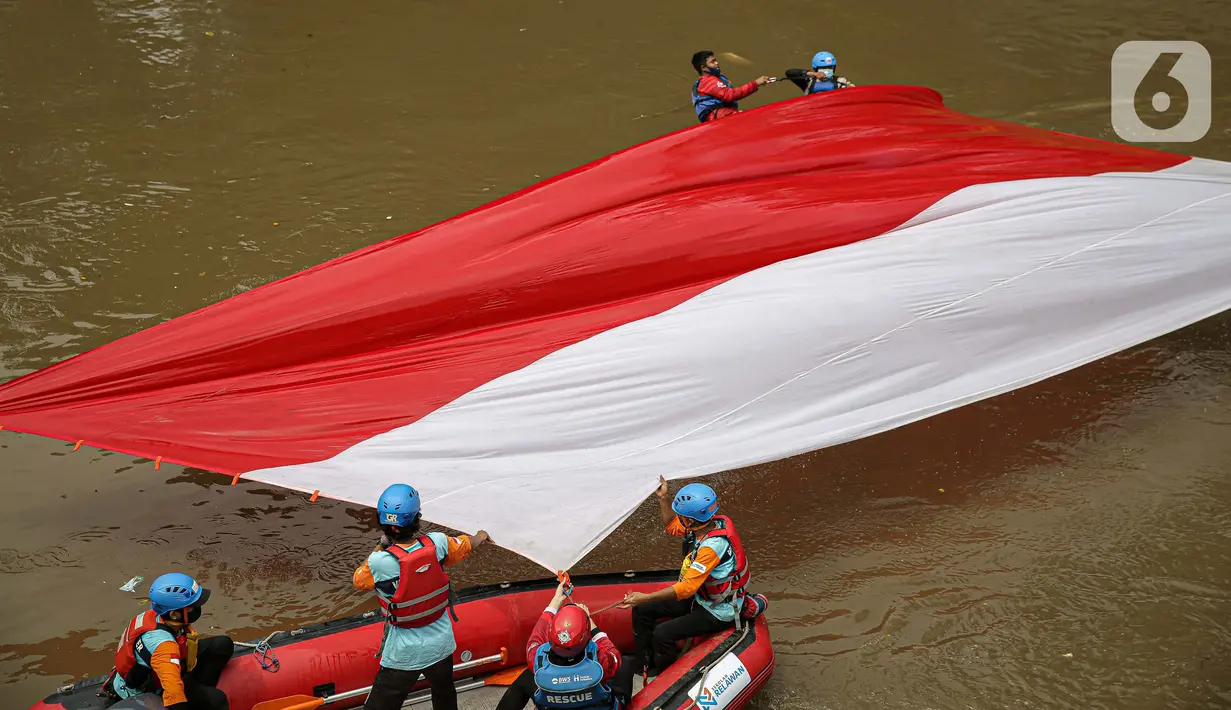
x=407 y=573
x=711 y=590
x=571 y=663
x=822 y=78
x=160 y=653
x=713 y=97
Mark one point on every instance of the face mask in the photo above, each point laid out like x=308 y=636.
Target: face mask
x=193 y=614
x=696 y=525
x=827 y=73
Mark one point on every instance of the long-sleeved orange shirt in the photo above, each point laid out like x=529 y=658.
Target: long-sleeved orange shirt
x=166 y=663
x=695 y=569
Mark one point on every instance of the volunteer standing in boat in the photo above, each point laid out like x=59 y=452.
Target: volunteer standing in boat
x=711 y=589
x=159 y=651
x=407 y=572
x=713 y=97
x=570 y=663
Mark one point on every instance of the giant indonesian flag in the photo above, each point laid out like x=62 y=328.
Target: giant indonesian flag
x=790 y=278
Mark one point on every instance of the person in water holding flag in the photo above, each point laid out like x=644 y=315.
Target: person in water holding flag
x=713 y=97
x=822 y=78
x=570 y=663
x=710 y=593
x=160 y=652
x=406 y=570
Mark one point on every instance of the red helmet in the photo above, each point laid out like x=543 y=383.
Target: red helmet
x=570 y=632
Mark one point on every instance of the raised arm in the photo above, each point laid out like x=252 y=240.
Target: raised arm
x=664 y=502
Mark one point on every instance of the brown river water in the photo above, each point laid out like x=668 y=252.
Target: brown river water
x=1067 y=545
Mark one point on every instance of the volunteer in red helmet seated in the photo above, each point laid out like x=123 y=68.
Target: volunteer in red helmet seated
x=159 y=651
x=407 y=572
x=710 y=592
x=570 y=663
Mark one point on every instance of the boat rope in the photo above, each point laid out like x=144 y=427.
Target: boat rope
x=264 y=653
x=609 y=607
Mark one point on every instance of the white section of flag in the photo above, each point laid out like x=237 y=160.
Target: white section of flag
x=994 y=287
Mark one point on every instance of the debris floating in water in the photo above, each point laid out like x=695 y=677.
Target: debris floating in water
x=737 y=59
x=131 y=584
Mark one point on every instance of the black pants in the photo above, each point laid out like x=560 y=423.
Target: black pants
x=523 y=689
x=201 y=683
x=519 y=693
x=656 y=641
x=391 y=686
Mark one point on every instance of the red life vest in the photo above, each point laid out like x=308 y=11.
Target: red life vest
x=126 y=652
x=422 y=594
x=717 y=590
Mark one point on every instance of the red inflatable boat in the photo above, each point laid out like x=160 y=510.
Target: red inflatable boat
x=329 y=659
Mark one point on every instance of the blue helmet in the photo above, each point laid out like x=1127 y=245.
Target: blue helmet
x=175 y=591
x=824 y=60
x=398 y=505
x=697 y=501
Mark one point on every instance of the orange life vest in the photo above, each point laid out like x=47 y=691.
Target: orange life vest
x=423 y=591
x=717 y=590
x=131 y=647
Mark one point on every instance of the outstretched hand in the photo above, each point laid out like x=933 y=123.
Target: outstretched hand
x=663 y=491
x=632 y=599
